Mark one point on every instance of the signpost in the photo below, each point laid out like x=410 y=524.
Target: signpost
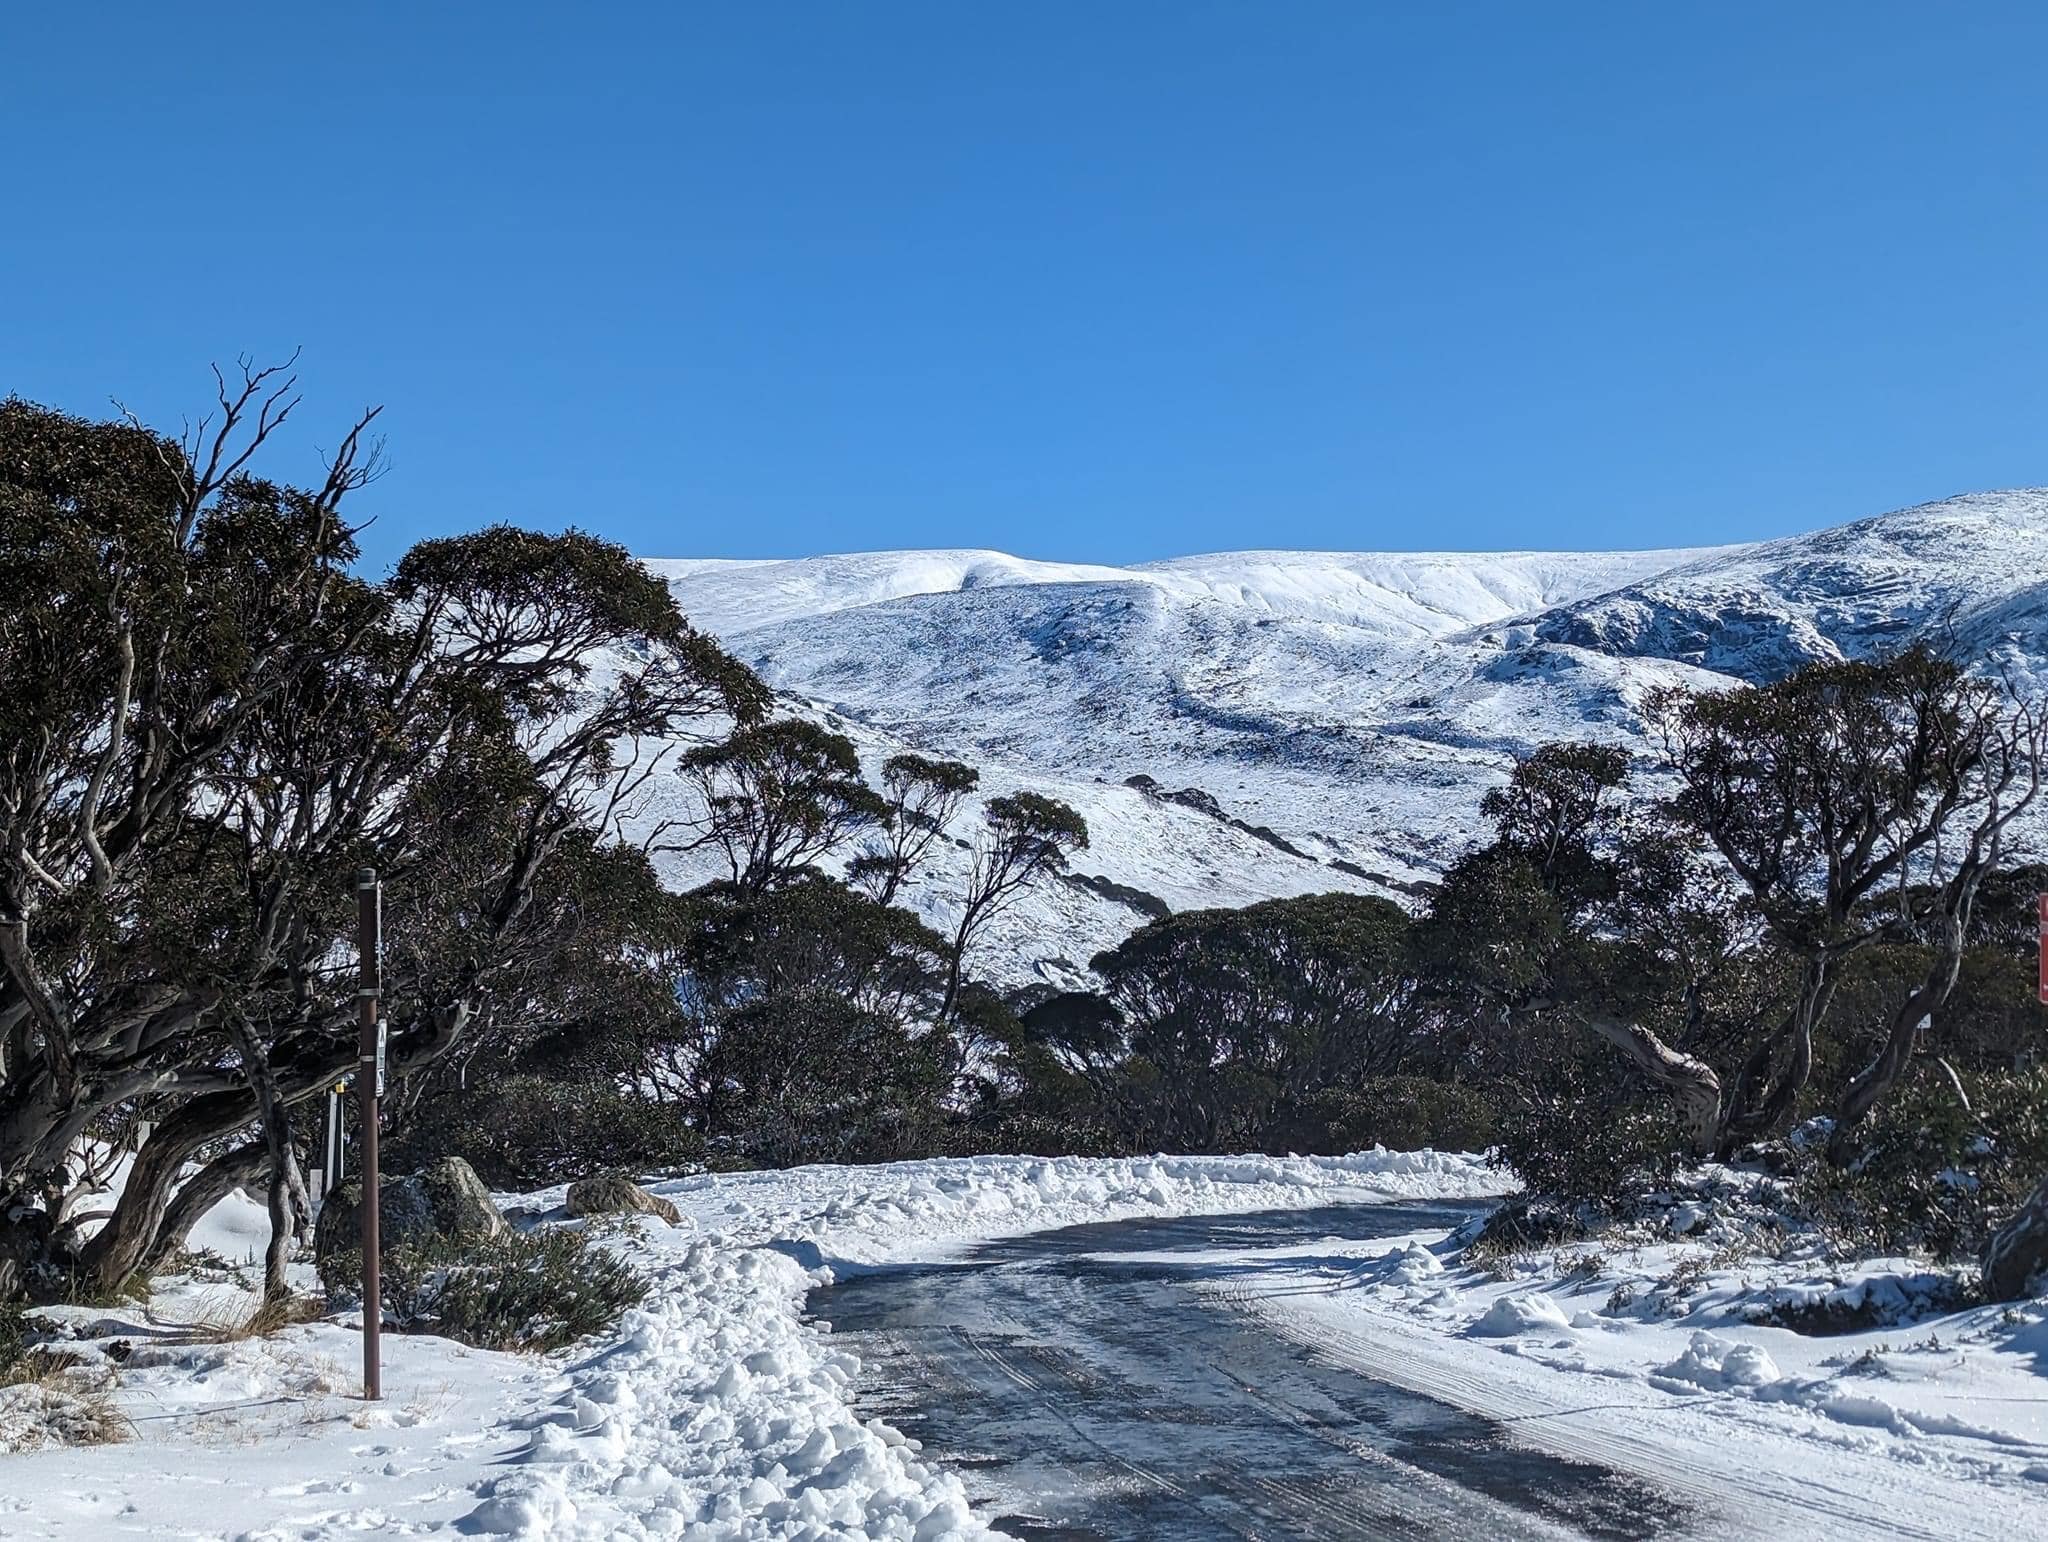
x=2041 y=903
x=369 y=1087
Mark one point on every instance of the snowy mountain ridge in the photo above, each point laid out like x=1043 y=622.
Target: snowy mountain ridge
x=1415 y=593
x=1241 y=725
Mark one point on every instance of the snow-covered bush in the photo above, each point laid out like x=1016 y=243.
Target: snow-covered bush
x=1936 y=1178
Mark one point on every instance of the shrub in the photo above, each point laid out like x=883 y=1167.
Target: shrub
x=1402 y=1113
x=13 y=1333
x=1583 y=1153
x=534 y=1291
x=1579 y=1126
x=1521 y=1226
x=533 y=1131
x=1934 y=1177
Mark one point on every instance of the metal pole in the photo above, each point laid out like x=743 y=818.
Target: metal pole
x=369 y=1076
x=337 y=1139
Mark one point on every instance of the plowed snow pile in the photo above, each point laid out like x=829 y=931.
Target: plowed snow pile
x=714 y=1411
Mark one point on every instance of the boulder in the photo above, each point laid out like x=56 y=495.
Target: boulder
x=444 y=1202
x=616 y=1194
x=2016 y=1258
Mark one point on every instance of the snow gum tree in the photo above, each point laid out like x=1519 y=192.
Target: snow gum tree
x=208 y=721
x=1855 y=802
x=1583 y=912
x=922 y=795
x=1026 y=836
x=779 y=796
x=809 y=1011
x=1211 y=1019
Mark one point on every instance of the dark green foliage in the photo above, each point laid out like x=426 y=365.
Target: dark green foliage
x=533 y=1291
x=1580 y=910
x=808 y=1009
x=531 y=1131
x=1042 y=828
x=13 y=1334
x=1211 y=1019
x=812 y=933
x=2006 y=916
x=923 y=795
x=1557 y=802
x=1402 y=1113
x=779 y=796
x=1936 y=1178
x=1857 y=802
x=1582 y=1131
x=1025 y=837
x=1526 y=1221
x=812 y=1077
x=1492 y=934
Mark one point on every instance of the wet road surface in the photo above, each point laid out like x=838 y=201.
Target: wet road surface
x=1084 y=1386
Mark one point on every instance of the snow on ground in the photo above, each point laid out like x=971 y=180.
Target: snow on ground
x=1354 y=706
x=1644 y=1352
x=713 y=1412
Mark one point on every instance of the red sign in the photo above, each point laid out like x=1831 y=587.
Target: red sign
x=2042 y=903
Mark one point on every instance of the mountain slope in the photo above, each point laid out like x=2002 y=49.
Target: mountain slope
x=1761 y=611
x=1248 y=724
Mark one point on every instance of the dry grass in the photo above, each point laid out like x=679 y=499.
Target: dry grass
x=228 y=1317
x=54 y=1398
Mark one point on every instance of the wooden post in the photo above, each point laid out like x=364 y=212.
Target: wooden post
x=369 y=1087
x=2041 y=906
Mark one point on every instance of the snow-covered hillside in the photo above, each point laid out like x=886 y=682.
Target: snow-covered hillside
x=1260 y=723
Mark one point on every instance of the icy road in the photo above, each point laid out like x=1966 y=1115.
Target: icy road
x=1087 y=1386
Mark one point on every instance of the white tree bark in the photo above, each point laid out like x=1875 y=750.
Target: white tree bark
x=1694 y=1087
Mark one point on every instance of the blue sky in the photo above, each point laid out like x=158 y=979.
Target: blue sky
x=1094 y=281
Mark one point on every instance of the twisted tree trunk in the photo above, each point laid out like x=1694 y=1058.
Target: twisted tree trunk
x=275 y=1117
x=1753 y=1113
x=1694 y=1086
x=214 y=1182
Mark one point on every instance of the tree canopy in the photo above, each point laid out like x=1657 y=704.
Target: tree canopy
x=210 y=722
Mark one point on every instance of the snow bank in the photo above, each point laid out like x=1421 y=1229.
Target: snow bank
x=1664 y=1349
x=1714 y=1363
x=714 y=1412
x=848 y=1217
x=717 y=1413
x=1529 y=1312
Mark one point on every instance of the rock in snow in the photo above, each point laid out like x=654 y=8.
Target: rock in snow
x=446 y=1200
x=616 y=1194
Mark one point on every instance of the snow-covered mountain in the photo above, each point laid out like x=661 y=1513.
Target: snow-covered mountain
x=1259 y=723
